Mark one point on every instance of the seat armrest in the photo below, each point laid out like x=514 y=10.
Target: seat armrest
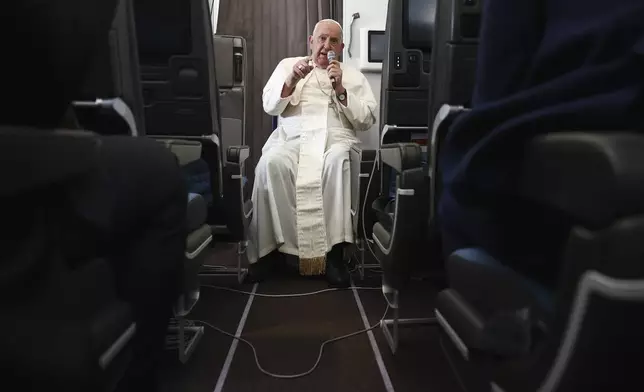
x=504 y=335
x=445 y=117
x=236 y=196
x=490 y=308
x=401 y=156
x=442 y=123
x=355 y=165
x=405 y=222
x=491 y=286
x=382 y=238
x=113 y=105
x=237 y=154
x=594 y=177
x=75 y=319
x=357 y=149
x=383 y=207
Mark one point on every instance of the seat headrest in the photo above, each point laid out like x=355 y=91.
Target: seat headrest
x=47 y=48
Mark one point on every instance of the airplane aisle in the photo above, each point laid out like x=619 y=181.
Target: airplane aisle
x=287 y=333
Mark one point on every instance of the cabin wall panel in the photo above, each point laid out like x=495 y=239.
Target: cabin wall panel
x=373 y=15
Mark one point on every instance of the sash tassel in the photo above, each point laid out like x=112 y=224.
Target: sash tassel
x=313 y=267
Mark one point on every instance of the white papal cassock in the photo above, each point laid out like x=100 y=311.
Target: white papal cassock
x=302 y=194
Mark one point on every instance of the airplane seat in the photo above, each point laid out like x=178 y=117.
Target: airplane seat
x=395 y=237
x=177 y=58
x=570 y=324
x=405 y=72
x=405 y=77
x=527 y=335
x=405 y=80
x=65 y=326
x=452 y=79
x=183 y=336
x=364 y=193
x=232 y=69
x=111 y=96
x=454 y=40
x=397 y=231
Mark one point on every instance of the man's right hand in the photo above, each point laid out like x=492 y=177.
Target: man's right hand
x=300 y=70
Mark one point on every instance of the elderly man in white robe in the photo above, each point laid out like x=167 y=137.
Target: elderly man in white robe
x=302 y=194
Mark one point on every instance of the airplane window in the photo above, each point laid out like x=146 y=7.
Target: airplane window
x=377 y=46
x=163 y=30
x=419 y=24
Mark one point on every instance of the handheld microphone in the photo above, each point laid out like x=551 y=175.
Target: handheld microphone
x=330 y=55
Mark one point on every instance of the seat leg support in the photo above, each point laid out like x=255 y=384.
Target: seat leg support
x=188 y=336
x=239 y=271
x=360 y=256
x=390 y=327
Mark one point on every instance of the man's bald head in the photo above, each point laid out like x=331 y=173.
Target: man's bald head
x=327 y=36
x=329 y=22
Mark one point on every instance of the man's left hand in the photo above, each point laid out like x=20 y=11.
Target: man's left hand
x=334 y=71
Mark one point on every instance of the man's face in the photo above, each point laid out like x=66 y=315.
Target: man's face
x=327 y=37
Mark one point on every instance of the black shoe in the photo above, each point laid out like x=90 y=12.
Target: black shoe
x=258 y=271
x=337 y=273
